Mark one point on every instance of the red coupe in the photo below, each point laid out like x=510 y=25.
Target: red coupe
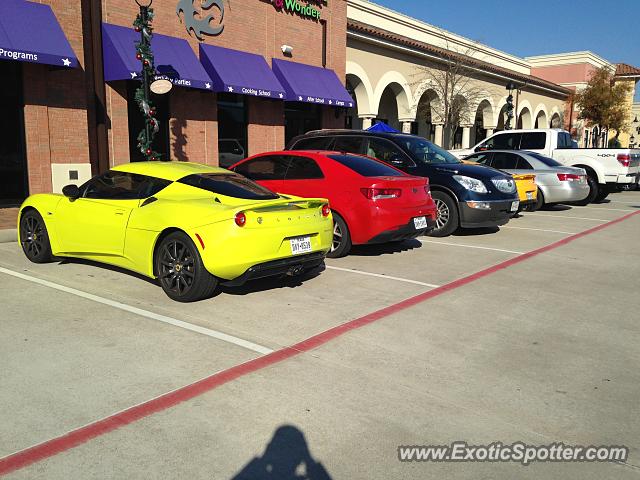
x=371 y=201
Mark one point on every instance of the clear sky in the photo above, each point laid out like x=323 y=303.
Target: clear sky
x=537 y=27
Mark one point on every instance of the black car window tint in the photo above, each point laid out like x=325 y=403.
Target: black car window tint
x=523 y=164
x=504 y=161
x=533 y=141
x=384 y=150
x=230 y=185
x=348 y=144
x=505 y=141
x=303 y=168
x=367 y=167
x=313 y=143
x=270 y=167
x=115 y=186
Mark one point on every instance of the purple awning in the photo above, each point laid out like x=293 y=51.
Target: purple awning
x=233 y=71
x=306 y=83
x=174 y=58
x=30 y=32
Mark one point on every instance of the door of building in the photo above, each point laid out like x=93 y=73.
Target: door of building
x=14 y=180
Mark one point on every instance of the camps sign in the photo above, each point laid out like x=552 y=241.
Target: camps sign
x=309 y=9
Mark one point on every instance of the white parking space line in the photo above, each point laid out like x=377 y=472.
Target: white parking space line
x=538 y=214
x=538 y=230
x=379 y=275
x=143 y=313
x=607 y=209
x=471 y=246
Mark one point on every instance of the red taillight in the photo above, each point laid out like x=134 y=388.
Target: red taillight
x=569 y=177
x=379 y=193
x=241 y=219
x=326 y=210
x=624 y=159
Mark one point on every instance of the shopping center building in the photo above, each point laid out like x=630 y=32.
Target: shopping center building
x=247 y=75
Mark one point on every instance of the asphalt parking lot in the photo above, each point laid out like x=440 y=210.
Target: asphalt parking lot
x=528 y=333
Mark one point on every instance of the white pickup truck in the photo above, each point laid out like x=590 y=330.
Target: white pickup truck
x=609 y=169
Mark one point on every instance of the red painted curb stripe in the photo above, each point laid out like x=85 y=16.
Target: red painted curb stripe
x=82 y=435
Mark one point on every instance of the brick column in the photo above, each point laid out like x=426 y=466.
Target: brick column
x=266 y=125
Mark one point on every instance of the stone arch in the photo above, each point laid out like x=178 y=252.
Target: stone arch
x=361 y=85
x=525 y=117
x=398 y=85
x=556 y=118
x=426 y=113
x=484 y=120
x=541 y=117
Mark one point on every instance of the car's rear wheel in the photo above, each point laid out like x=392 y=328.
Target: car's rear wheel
x=594 y=191
x=181 y=272
x=34 y=237
x=539 y=202
x=447 y=221
x=602 y=194
x=341 y=244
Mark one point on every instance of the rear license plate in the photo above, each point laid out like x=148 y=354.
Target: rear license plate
x=300 y=245
x=515 y=205
x=529 y=195
x=420 y=223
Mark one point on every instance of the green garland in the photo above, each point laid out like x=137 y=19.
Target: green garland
x=144 y=54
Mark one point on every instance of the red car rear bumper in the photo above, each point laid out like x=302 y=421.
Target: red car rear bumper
x=393 y=224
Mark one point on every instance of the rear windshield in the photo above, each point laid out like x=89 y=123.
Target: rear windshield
x=230 y=185
x=366 y=167
x=549 y=162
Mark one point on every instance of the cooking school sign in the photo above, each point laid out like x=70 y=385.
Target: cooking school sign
x=304 y=9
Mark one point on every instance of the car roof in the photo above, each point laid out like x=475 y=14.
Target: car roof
x=172 y=170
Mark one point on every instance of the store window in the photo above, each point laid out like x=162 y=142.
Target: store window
x=232 y=128
x=136 y=124
x=300 y=118
x=13 y=166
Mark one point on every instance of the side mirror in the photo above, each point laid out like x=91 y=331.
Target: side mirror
x=72 y=192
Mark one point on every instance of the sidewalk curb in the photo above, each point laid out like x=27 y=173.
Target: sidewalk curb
x=8 y=235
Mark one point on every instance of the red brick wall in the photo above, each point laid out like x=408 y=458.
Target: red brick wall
x=55 y=111
x=250 y=25
x=55 y=106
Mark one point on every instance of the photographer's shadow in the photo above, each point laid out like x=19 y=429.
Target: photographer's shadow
x=286 y=457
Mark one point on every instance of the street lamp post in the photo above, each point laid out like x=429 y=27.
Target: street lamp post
x=511 y=86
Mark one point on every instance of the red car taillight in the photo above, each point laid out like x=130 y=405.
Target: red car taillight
x=569 y=177
x=379 y=193
x=241 y=219
x=624 y=159
x=326 y=210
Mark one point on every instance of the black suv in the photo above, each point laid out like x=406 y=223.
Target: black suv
x=468 y=196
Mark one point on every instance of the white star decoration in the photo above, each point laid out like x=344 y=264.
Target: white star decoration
x=230 y=89
x=300 y=98
x=281 y=95
x=134 y=74
x=66 y=62
x=207 y=86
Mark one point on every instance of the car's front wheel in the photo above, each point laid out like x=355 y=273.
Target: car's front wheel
x=34 y=237
x=447 y=221
x=180 y=270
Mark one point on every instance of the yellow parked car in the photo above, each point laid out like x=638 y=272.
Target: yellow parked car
x=191 y=226
x=526 y=185
x=527 y=189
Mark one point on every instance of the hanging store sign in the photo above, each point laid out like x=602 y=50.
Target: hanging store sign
x=304 y=9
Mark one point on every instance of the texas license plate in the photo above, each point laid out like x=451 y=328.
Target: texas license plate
x=515 y=205
x=420 y=223
x=529 y=195
x=300 y=245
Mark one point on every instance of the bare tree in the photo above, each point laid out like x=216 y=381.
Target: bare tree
x=454 y=81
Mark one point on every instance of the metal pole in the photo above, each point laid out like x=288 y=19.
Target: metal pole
x=144 y=14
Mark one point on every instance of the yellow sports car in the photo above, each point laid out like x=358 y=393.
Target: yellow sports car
x=191 y=226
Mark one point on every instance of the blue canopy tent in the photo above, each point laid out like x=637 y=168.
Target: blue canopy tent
x=382 y=127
